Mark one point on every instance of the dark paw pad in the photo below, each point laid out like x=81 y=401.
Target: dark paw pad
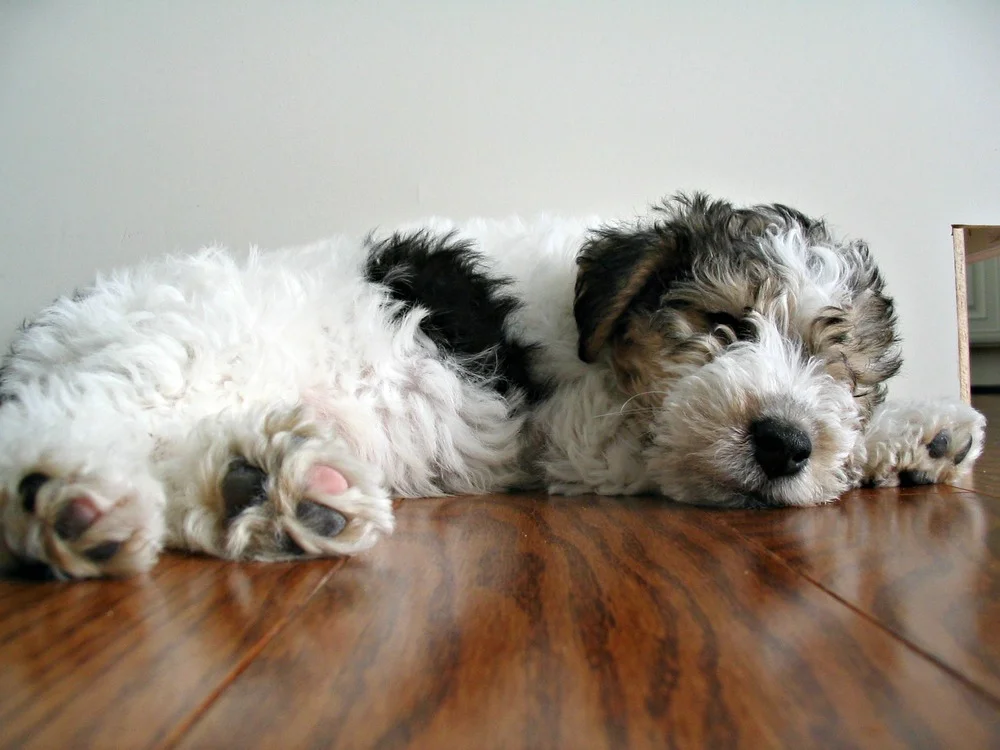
x=938 y=447
x=321 y=519
x=242 y=487
x=28 y=488
x=961 y=455
x=103 y=552
x=914 y=478
x=75 y=518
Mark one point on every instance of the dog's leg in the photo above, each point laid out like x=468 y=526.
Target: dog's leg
x=272 y=484
x=76 y=489
x=922 y=442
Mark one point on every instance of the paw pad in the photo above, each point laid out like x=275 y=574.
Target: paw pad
x=28 y=488
x=103 y=552
x=242 y=487
x=939 y=445
x=327 y=480
x=75 y=518
x=320 y=519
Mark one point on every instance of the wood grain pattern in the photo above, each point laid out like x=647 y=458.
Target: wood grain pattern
x=923 y=563
x=125 y=664
x=519 y=622
x=532 y=622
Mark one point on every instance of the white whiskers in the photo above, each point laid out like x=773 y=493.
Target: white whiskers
x=621 y=411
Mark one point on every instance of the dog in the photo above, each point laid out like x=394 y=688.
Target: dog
x=272 y=407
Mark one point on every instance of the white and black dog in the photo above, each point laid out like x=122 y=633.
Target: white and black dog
x=270 y=407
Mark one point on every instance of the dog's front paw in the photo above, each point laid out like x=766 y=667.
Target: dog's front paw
x=84 y=526
x=923 y=442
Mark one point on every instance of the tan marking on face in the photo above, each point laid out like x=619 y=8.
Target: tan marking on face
x=637 y=358
x=848 y=358
x=652 y=352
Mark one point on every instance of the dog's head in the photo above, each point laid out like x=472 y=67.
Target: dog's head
x=755 y=344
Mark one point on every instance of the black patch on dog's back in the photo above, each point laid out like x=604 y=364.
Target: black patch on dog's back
x=468 y=307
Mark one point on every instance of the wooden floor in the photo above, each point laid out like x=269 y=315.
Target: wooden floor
x=508 y=622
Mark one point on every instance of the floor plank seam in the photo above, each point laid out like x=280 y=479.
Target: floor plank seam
x=993 y=494
x=915 y=648
x=187 y=724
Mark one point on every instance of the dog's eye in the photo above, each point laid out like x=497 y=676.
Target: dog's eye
x=742 y=329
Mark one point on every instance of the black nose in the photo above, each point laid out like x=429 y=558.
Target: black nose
x=781 y=448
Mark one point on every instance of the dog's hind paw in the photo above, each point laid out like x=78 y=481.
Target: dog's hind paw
x=84 y=526
x=923 y=442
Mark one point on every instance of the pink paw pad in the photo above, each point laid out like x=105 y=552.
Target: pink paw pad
x=327 y=480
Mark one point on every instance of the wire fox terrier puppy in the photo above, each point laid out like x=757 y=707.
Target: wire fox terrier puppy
x=270 y=407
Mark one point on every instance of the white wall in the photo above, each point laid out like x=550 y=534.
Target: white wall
x=128 y=129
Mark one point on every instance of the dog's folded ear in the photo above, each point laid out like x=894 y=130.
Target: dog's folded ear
x=620 y=268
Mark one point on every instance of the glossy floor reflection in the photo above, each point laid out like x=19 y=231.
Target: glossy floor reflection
x=526 y=621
